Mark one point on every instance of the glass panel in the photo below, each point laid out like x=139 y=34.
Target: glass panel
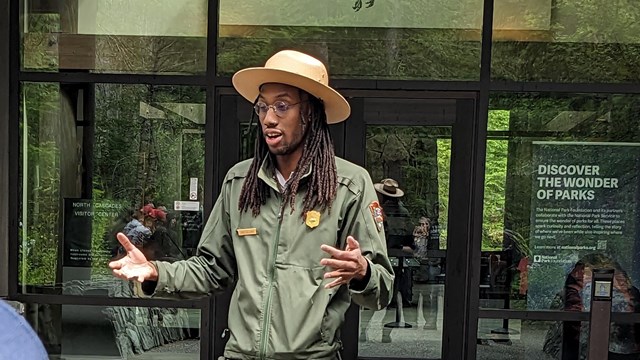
x=511 y=339
x=566 y=41
x=418 y=159
x=98 y=159
x=438 y=40
x=561 y=199
x=144 y=36
x=116 y=332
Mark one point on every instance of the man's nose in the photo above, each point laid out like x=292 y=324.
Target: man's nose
x=270 y=118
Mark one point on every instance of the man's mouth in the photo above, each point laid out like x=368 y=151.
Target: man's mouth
x=272 y=137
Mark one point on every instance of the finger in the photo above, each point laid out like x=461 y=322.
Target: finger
x=124 y=241
x=117 y=264
x=339 y=264
x=140 y=278
x=352 y=243
x=334 y=283
x=330 y=250
x=338 y=254
x=335 y=274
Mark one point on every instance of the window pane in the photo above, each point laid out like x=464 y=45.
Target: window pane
x=418 y=158
x=561 y=199
x=116 y=332
x=102 y=159
x=567 y=41
x=357 y=39
x=143 y=36
x=512 y=339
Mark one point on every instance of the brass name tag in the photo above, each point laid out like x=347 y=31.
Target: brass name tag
x=249 y=231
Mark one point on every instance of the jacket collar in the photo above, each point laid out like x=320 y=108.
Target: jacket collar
x=267 y=173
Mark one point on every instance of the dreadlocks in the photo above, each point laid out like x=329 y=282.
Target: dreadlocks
x=317 y=156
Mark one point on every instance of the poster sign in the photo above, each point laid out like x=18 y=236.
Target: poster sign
x=584 y=200
x=85 y=220
x=186 y=205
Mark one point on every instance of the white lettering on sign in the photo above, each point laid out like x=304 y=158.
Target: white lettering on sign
x=186 y=205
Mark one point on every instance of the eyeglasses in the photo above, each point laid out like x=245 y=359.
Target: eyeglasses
x=279 y=107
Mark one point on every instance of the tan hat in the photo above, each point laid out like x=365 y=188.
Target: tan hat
x=296 y=69
x=389 y=187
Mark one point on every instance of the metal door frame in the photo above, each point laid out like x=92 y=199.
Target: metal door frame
x=461 y=281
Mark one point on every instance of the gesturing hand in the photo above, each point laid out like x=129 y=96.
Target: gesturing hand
x=348 y=264
x=134 y=266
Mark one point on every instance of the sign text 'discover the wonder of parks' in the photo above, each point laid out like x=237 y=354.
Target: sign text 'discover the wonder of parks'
x=584 y=200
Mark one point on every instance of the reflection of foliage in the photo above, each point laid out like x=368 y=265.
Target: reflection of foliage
x=40 y=249
x=137 y=156
x=53 y=40
x=141 y=161
x=444 y=169
x=418 y=158
x=39 y=233
x=588 y=41
x=494 y=185
x=39 y=43
x=564 y=40
x=361 y=52
x=535 y=117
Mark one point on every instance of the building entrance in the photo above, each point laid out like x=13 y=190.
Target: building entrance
x=417 y=149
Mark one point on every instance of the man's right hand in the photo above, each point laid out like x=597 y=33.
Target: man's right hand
x=135 y=265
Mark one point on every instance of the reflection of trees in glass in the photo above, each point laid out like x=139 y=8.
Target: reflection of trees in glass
x=547 y=117
x=494 y=186
x=418 y=158
x=39 y=44
x=587 y=41
x=141 y=154
x=361 y=52
x=148 y=143
x=58 y=40
x=40 y=180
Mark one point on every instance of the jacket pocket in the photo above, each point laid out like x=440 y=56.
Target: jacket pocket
x=333 y=317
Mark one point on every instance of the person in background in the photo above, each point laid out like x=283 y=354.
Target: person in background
x=399 y=232
x=421 y=239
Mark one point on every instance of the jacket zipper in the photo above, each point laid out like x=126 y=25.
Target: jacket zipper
x=272 y=271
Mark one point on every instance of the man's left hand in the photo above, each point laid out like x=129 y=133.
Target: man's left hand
x=348 y=264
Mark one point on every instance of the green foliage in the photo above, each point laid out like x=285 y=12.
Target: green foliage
x=419 y=159
x=40 y=180
x=494 y=185
x=586 y=41
x=40 y=230
x=148 y=144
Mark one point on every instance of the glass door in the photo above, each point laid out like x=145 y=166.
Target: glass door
x=409 y=146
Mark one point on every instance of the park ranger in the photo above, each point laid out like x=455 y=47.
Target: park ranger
x=298 y=230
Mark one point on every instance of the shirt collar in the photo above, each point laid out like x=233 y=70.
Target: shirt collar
x=269 y=174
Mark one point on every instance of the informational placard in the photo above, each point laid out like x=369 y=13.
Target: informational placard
x=85 y=219
x=193 y=189
x=186 y=205
x=584 y=200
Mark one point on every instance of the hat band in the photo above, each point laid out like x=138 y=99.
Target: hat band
x=389 y=189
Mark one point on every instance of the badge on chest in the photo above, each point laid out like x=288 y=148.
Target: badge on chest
x=312 y=219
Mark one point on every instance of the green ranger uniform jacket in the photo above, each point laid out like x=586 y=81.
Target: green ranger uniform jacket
x=280 y=308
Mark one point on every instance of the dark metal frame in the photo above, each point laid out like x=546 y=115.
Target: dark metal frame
x=4 y=147
x=462 y=311
x=459 y=323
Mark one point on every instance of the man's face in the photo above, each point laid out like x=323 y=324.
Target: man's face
x=282 y=130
